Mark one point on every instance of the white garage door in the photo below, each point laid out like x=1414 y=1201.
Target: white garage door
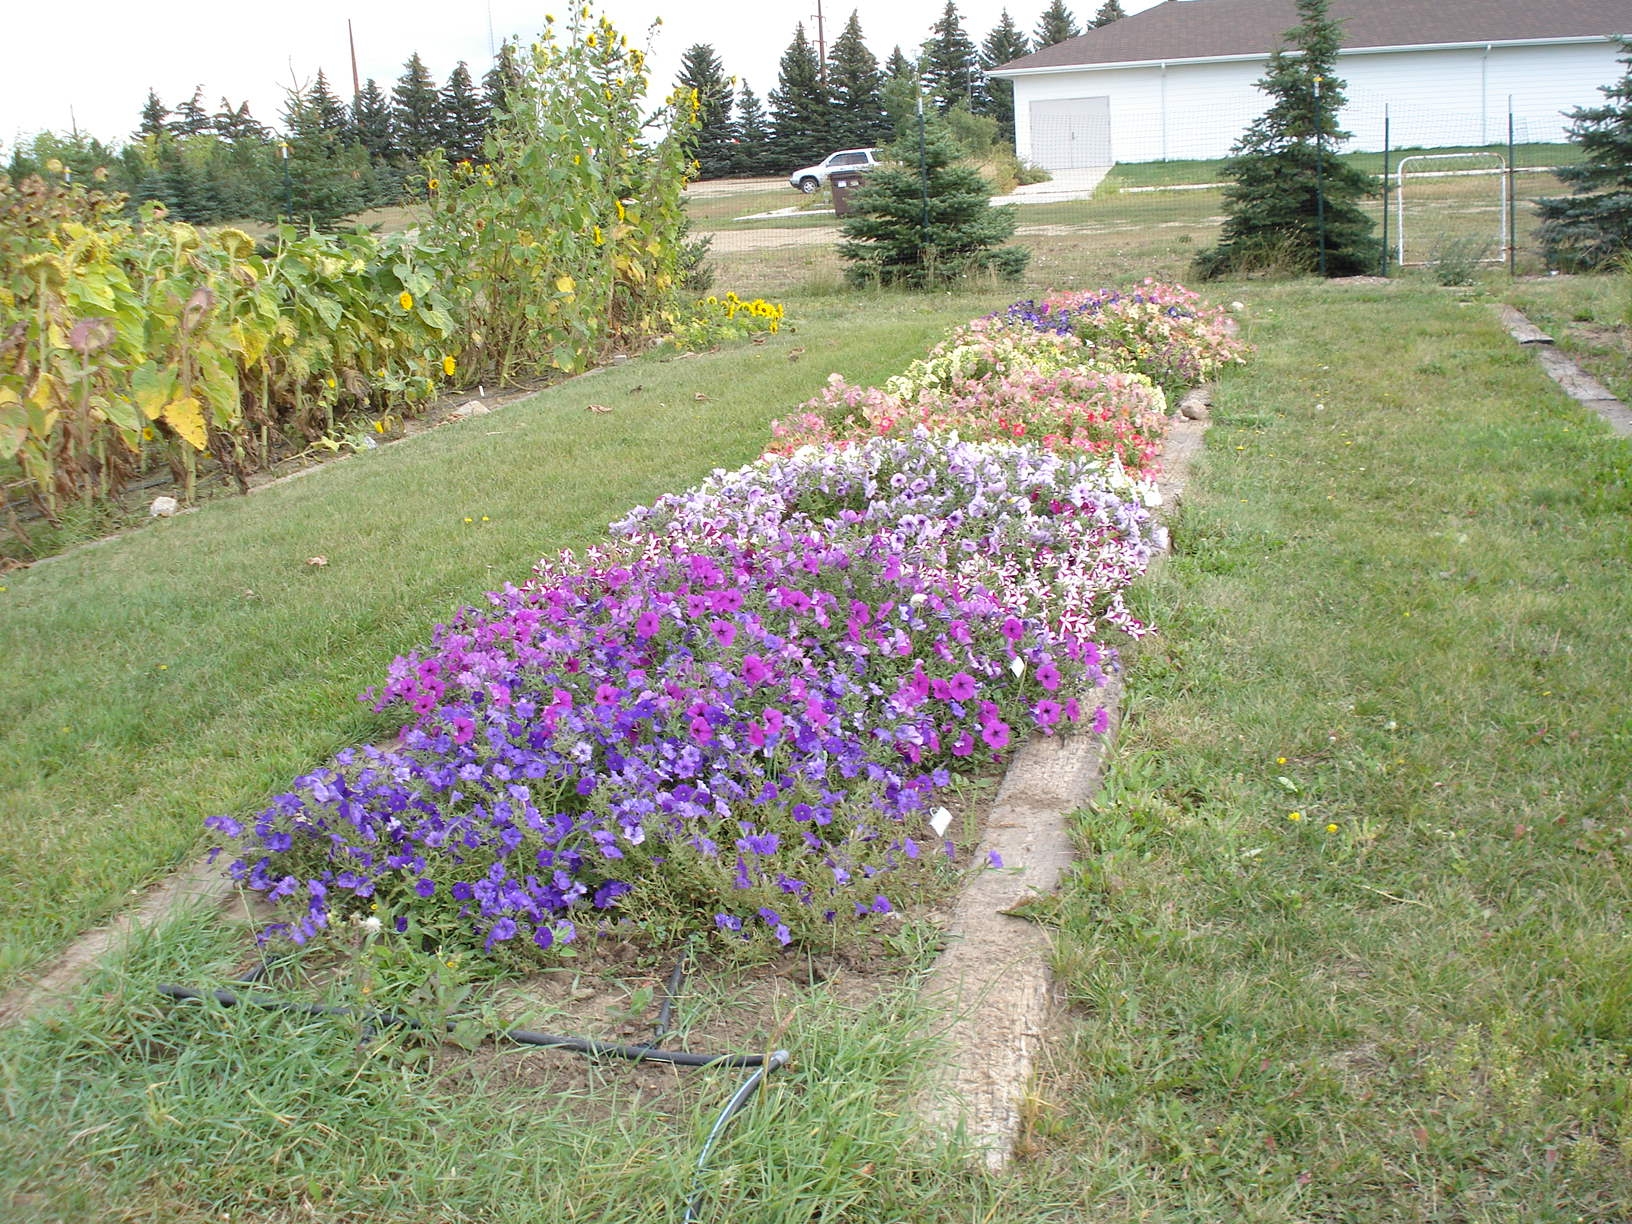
x=1071 y=133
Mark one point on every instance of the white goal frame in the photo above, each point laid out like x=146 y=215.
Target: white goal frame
x=1500 y=170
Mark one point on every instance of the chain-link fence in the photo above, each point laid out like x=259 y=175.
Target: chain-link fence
x=1458 y=194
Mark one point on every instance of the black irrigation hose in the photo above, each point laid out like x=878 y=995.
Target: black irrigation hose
x=582 y=1045
x=762 y=1064
x=777 y=1058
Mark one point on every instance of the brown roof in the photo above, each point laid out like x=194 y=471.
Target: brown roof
x=1209 y=29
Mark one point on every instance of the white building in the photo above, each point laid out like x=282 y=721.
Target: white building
x=1180 y=80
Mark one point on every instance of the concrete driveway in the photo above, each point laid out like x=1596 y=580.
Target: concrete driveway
x=1065 y=185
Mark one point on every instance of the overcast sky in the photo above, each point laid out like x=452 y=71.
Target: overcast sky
x=93 y=65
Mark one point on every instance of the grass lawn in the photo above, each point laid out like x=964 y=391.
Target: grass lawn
x=1346 y=939
x=196 y=666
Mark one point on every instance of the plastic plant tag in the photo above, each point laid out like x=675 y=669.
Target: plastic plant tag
x=940 y=820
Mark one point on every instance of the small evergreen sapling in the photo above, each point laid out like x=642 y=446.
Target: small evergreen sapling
x=931 y=230
x=1293 y=204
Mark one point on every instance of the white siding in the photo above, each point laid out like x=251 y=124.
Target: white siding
x=1433 y=98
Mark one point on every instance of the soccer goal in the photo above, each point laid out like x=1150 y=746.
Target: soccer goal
x=1448 y=209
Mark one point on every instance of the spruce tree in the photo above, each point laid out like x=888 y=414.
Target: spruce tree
x=371 y=123
x=1292 y=203
x=951 y=66
x=754 y=155
x=191 y=117
x=1055 y=26
x=328 y=178
x=1110 y=11
x=154 y=114
x=713 y=141
x=501 y=81
x=416 y=111
x=1003 y=44
x=1593 y=226
x=927 y=229
x=325 y=109
x=801 y=115
x=856 y=88
x=900 y=93
x=236 y=123
x=463 y=119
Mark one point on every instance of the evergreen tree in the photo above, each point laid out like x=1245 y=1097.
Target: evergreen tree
x=801 y=115
x=1110 y=11
x=900 y=93
x=951 y=66
x=371 y=123
x=154 y=114
x=1055 y=26
x=754 y=154
x=1003 y=44
x=1292 y=203
x=236 y=123
x=463 y=120
x=325 y=109
x=931 y=230
x=416 y=111
x=500 y=82
x=1593 y=226
x=191 y=117
x=713 y=141
x=856 y=87
x=328 y=179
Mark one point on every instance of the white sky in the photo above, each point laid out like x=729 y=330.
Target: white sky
x=94 y=64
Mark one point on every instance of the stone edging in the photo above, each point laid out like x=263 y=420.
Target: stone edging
x=993 y=981
x=1576 y=382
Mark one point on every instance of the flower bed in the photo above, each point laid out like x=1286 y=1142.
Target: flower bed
x=737 y=712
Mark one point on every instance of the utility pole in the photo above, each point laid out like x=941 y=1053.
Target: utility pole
x=821 y=46
x=356 y=85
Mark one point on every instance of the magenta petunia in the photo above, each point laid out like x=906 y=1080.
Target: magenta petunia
x=996 y=734
x=962 y=686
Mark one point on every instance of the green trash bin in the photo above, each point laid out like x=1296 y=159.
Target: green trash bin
x=843 y=184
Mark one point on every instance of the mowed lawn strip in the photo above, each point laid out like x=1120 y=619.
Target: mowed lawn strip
x=1348 y=937
x=199 y=665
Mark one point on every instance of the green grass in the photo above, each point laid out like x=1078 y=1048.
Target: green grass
x=1397 y=608
x=1590 y=317
x=198 y=665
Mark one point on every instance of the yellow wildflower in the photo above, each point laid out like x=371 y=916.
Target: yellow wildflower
x=1331 y=828
x=1294 y=816
x=406 y=300
x=448 y=366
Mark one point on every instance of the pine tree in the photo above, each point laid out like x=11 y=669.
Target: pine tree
x=416 y=111
x=754 y=155
x=1003 y=44
x=1292 y=203
x=328 y=179
x=325 y=109
x=236 y=123
x=1593 y=226
x=1110 y=11
x=801 y=115
x=191 y=117
x=1055 y=26
x=154 y=114
x=951 y=66
x=463 y=119
x=371 y=123
x=715 y=137
x=900 y=94
x=856 y=87
x=929 y=230
x=501 y=81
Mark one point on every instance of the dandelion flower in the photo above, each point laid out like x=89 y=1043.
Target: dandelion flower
x=1294 y=816
x=406 y=300
x=1331 y=828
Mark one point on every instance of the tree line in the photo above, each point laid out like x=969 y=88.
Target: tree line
x=850 y=99
x=328 y=159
